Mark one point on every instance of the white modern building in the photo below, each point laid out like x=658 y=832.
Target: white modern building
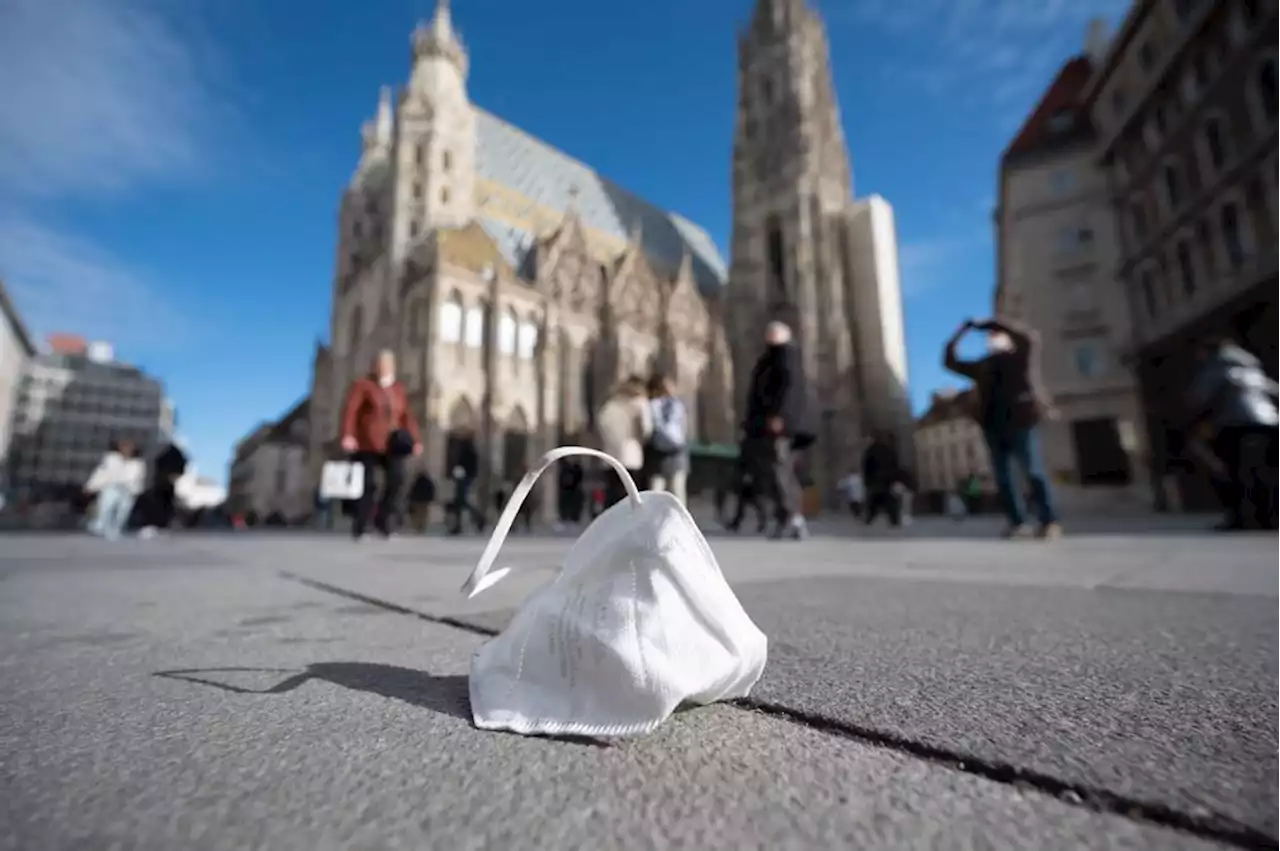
x=269 y=474
x=69 y=407
x=16 y=349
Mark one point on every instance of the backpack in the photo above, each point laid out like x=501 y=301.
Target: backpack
x=668 y=425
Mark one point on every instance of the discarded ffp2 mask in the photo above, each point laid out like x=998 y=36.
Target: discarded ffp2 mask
x=639 y=621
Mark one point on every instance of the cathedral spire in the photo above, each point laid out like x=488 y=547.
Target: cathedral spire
x=383 y=124
x=439 y=39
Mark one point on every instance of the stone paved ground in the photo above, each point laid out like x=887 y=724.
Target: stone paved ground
x=927 y=689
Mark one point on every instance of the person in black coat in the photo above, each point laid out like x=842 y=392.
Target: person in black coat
x=160 y=503
x=778 y=421
x=881 y=470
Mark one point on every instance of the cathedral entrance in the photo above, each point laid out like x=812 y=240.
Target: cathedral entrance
x=515 y=446
x=462 y=425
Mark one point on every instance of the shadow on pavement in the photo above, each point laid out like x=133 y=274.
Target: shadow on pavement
x=447 y=695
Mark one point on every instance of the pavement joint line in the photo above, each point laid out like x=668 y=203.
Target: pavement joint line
x=1211 y=825
x=443 y=620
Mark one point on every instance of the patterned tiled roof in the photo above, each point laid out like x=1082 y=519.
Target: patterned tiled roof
x=550 y=178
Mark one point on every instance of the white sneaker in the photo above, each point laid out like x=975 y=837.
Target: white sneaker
x=146 y=533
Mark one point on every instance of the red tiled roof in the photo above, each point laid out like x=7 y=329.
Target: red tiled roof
x=949 y=406
x=1064 y=97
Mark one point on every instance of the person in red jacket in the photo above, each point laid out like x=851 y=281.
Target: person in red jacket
x=380 y=430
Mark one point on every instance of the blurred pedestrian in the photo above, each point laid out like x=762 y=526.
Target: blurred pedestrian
x=777 y=422
x=625 y=422
x=380 y=430
x=117 y=481
x=1011 y=406
x=667 y=451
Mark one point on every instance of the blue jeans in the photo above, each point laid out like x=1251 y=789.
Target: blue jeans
x=1020 y=446
x=114 y=505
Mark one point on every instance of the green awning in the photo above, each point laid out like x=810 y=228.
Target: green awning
x=713 y=450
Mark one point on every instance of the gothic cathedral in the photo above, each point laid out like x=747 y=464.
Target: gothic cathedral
x=517 y=285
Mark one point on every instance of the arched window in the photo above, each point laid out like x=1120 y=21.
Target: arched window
x=1186 y=269
x=1265 y=82
x=527 y=341
x=474 y=332
x=451 y=319
x=776 y=248
x=1171 y=183
x=355 y=330
x=1215 y=143
x=446 y=161
x=1232 y=234
x=507 y=332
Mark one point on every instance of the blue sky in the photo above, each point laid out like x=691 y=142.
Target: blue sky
x=170 y=172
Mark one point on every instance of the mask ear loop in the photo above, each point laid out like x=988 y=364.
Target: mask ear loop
x=481 y=577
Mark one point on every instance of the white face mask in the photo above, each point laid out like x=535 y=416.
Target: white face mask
x=638 y=621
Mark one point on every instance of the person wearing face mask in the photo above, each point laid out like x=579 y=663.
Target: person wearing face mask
x=777 y=423
x=1010 y=409
x=380 y=430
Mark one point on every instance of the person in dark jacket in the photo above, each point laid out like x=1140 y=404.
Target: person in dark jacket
x=159 y=504
x=881 y=471
x=570 y=497
x=421 y=494
x=777 y=422
x=747 y=491
x=1010 y=408
x=464 y=467
x=1233 y=401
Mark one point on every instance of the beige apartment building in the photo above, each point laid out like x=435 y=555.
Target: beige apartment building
x=949 y=445
x=1057 y=253
x=269 y=472
x=1184 y=108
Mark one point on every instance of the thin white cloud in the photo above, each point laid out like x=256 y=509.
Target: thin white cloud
x=61 y=283
x=102 y=95
x=102 y=98
x=923 y=264
x=992 y=52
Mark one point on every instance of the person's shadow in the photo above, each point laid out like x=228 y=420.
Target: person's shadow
x=448 y=695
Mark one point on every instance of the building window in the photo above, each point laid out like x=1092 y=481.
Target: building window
x=1149 y=293
x=766 y=91
x=1147 y=56
x=473 y=330
x=1204 y=244
x=527 y=341
x=1172 y=183
x=1060 y=121
x=1232 y=238
x=451 y=319
x=777 y=259
x=355 y=331
x=1215 y=143
x=1266 y=87
x=1118 y=102
x=507 y=333
x=417 y=191
x=1186 y=269
x=444 y=194
x=419 y=154
x=1062 y=181
x=1080 y=296
x=446 y=161
x=1139 y=218
x=413 y=228
x=1074 y=239
x=1088 y=359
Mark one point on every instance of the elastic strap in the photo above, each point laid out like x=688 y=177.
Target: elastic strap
x=481 y=578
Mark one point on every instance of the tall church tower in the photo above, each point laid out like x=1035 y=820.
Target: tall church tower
x=435 y=137
x=792 y=185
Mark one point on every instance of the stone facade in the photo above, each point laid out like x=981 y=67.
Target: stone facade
x=516 y=285
x=1056 y=260
x=804 y=251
